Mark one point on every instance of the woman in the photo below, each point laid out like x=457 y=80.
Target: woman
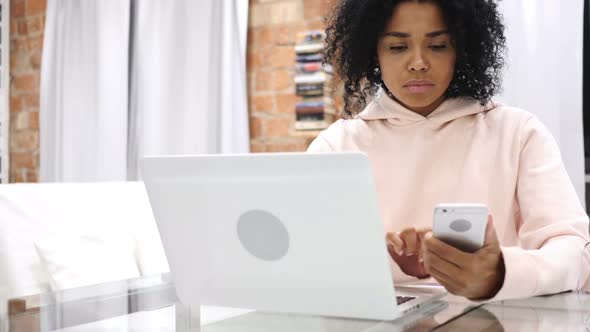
x=434 y=135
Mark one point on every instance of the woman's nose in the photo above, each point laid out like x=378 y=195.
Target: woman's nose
x=418 y=63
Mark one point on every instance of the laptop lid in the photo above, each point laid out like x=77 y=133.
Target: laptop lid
x=289 y=232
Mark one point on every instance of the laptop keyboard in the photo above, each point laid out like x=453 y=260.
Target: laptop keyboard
x=404 y=299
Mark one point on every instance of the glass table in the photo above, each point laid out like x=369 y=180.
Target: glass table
x=150 y=304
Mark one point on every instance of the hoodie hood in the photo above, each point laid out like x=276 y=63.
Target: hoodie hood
x=384 y=107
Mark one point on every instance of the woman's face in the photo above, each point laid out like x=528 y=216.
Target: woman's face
x=416 y=56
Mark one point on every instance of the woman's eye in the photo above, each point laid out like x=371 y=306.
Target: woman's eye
x=438 y=47
x=397 y=48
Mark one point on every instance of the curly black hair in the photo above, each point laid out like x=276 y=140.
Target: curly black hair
x=475 y=26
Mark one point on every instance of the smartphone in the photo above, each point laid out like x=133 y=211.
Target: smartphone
x=461 y=225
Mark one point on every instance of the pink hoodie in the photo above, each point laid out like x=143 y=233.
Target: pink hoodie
x=465 y=152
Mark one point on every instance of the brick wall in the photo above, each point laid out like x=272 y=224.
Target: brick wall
x=272 y=28
x=27 y=20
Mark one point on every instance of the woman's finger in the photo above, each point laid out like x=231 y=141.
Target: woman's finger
x=397 y=243
x=446 y=281
x=410 y=238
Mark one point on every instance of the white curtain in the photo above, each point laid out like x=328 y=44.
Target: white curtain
x=544 y=72
x=189 y=82
x=83 y=114
x=178 y=85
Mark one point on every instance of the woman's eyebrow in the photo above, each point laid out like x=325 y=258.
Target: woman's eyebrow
x=406 y=35
x=397 y=34
x=437 y=33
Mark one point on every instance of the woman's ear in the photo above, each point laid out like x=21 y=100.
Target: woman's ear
x=377 y=68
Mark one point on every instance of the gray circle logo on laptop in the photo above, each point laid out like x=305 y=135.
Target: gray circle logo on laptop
x=263 y=235
x=460 y=225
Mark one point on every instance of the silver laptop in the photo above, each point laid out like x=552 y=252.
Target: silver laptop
x=288 y=232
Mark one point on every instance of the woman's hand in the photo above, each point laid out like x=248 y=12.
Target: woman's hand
x=405 y=248
x=476 y=276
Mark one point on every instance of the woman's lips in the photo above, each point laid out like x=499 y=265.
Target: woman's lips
x=418 y=86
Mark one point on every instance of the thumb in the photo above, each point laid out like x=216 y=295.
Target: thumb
x=491 y=236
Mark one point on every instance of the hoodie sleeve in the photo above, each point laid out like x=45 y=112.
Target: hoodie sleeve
x=329 y=140
x=319 y=145
x=552 y=225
